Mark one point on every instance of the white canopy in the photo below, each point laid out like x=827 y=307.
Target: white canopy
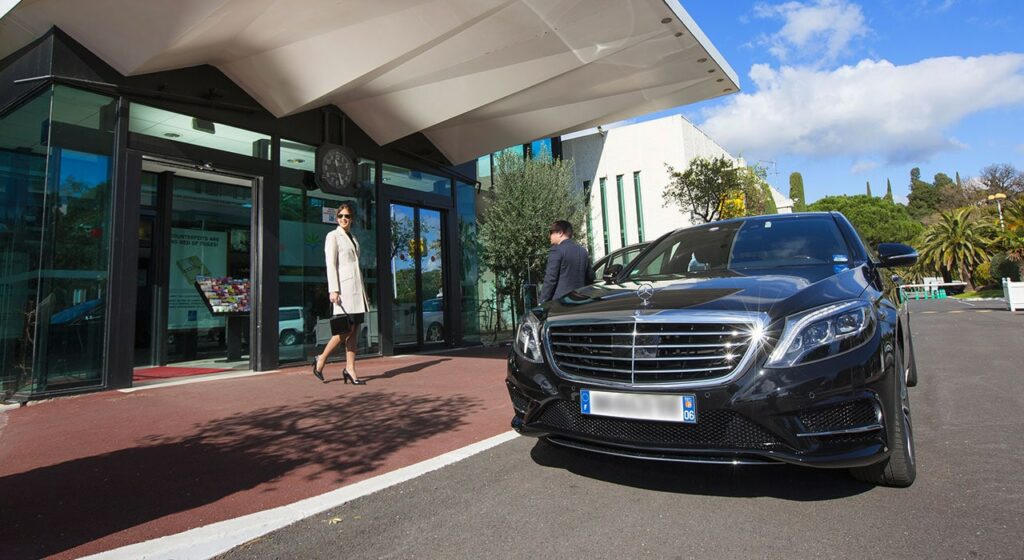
x=474 y=76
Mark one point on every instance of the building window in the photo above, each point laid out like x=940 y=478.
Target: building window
x=622 y=210
x=56 y=213
x=604 y=213
x=160 y=123
x=416 y=180
x=307 y=216
x=590 y=218
x=639 y=206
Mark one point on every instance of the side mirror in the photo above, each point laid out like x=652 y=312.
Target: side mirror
x=611 y=272
x=896 y=254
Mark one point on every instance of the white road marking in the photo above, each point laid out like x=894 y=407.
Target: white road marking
x=211 y=540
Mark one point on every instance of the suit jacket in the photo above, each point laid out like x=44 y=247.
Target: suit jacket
x=568 y=269
x=343 y=273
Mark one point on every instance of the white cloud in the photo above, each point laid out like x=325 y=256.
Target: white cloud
x=873 y=110
x=863 y=166
x=818 y=31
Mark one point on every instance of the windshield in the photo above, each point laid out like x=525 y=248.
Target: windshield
x=750 y=247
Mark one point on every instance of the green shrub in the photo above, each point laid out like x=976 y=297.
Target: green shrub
x=1003 y=267
x=983 y=275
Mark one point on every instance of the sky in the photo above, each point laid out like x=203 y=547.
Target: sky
x=847 y=92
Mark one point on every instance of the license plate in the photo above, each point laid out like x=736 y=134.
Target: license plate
x=666 y=408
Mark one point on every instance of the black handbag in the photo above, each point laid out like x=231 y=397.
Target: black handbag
x=341 y=322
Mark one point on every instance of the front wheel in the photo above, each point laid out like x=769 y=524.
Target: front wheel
x=435 y=333
x=900 y=468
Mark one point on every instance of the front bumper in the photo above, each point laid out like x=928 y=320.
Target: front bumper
x=830 y=413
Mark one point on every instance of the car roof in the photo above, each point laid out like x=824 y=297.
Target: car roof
x=789 y=216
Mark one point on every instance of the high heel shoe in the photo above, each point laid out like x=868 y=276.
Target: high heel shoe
x=319 y=374
x=348 y=378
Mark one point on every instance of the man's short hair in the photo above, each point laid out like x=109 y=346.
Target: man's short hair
x=562 y=226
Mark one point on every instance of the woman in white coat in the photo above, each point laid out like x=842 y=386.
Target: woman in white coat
x=348 y=297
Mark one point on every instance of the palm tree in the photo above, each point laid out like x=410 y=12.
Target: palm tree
x=1013 y=216
x=956 y=243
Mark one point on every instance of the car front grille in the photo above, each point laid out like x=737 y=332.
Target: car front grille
x=649 y=352
x=717 y=429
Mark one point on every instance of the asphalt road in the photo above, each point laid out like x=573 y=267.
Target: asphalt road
x=527 y=499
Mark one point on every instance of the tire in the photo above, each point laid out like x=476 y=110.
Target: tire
x=435 y=333
x=289 y=338
x=899 y=469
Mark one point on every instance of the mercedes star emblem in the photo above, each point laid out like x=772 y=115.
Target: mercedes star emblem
x=645 y=292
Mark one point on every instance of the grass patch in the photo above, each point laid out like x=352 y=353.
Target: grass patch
x=992 y=293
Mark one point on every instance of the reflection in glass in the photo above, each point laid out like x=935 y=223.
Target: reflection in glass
x=67 y=229
x=405 y=250
x=416 y=180
x=432 y=276
x=469 y=261
x=210 y=233
x=160 y=123
x=307 y=215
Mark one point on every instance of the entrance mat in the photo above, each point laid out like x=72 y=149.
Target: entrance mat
x=164 y=372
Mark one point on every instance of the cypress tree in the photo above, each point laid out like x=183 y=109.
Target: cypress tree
x=869 y=187
x=796 y=191
x=888 y=189
x=769 y=200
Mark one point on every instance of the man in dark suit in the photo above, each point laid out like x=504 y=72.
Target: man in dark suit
x=568 y=264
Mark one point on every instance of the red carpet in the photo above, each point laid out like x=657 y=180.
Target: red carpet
x=164 y=372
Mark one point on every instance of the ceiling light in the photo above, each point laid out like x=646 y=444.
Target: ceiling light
x=727 y=89
x=172 y=135
x=702 y=60
x=666 y=20
x=679 y=33
x=720 y=80
x=296 y=160
x=712 y=71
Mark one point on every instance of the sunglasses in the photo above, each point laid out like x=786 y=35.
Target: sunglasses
x=344 y=216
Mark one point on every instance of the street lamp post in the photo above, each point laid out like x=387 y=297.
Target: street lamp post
x=999 y=198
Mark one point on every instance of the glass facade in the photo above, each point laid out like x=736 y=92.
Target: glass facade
x=307 y=216
x=60 y=196
x=469 y=260
x=416 y=180
x=152 y=121
x=55 y=177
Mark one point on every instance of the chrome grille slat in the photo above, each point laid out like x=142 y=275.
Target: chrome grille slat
x=654 y=352
x=628 y=358
x=723 y=345
x=693 y=333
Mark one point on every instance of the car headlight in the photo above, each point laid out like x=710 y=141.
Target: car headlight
x=823 y=332
x=527 y=342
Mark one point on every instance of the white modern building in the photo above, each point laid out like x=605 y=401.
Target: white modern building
x=624 y=170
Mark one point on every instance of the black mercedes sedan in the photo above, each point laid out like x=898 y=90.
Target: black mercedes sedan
x=748 y=341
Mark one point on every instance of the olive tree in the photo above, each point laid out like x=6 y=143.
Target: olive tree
x=529 y=195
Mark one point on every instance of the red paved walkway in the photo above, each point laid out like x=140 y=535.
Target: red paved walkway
x=86 y=474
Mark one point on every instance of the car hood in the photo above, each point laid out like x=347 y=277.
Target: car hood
x=776 y=293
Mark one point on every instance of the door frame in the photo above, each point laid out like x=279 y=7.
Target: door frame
x=388 y=195
x=167 y=171
x=122 y=293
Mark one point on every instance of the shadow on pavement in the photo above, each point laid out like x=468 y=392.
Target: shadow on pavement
x=55 y=508
x=411 y=368
x=785 y=482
